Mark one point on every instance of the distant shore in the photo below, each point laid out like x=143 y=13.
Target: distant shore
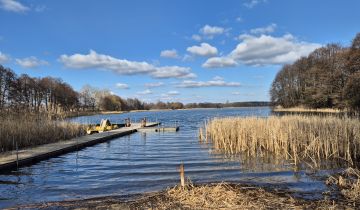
x=91 y=113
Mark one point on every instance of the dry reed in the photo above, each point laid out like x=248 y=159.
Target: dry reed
x=348 y=182
x=298 y=138
x=230 y=196
x=305 y=110
x=211 y=196
x=28 y=130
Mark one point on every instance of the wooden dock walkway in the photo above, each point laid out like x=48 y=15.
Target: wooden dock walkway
x=11 y=160
x=159 y=129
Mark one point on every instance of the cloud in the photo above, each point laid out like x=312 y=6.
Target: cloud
x=169 y=54
x=239 y=19
x=4 y=58
x=218 y=78
x=219 y=62
x=123 y=66
x=264 y=30
x=215 y=82
x=204 y=49
x=169 y=95
x=188 y=57
x=31 y=62
x=263 y=50
x=270 y=50
x=237 y=93
x=211 y=31
x=153 y=85
x=173 y=93
x=122 y=86
x=13 y=6
x=196 y=37
x=252 y=3
x=173 y=72
x=145 y=92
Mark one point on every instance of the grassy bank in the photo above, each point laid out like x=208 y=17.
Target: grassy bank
x=32 y=130
x=211 y=196
x=302 y=139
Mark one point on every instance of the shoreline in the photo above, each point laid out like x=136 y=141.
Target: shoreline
x=203 y=196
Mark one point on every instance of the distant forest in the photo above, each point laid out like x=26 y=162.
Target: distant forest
x=328 y=78
x=25 y=94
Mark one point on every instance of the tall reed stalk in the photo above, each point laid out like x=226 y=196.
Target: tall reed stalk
x=31 y=130
x=299 y=138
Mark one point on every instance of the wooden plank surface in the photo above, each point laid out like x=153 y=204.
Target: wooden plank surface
x=11 y=160
x=159 y=129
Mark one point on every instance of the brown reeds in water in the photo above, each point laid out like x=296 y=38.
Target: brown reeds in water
x=231 y=196
x=299 y=138
x=225 y=196
x=32 y=130
x=348 y=182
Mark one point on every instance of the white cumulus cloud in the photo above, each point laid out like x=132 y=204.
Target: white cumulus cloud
x=219 y=62
x=204 y=49
x=123 y=66
x=173 y=72
x=31 y=62
x=211 y=31
x=218 y=78
x=264 y=30
x=173 y=93
x=4 y=58
x=169 y=54
x=269 y=50
x=260 y=50
x=215 y=82
x=196 y=37
x=122 y=86
x=13 y=6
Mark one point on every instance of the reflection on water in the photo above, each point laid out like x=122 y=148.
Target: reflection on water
x=144 y=162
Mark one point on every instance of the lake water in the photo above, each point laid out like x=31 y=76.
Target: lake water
x=146 y=162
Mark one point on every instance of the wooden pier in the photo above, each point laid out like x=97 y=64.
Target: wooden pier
x=13 y=159
x=159 y=129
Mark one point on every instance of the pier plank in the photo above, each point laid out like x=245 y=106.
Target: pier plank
x=13 y=159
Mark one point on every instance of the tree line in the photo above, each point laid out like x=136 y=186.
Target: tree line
x=328 y=78
x=25 y=94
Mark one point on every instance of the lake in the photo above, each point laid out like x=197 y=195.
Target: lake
x=147 y=162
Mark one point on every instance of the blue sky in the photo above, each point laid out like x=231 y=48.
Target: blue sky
x=188 y=51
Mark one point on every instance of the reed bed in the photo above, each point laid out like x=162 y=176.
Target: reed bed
x=232 y=196
x=225 y=196
x=209 y=196
x=302 y=139
x=305 y=110
x=28 y=130
x=348 y=182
